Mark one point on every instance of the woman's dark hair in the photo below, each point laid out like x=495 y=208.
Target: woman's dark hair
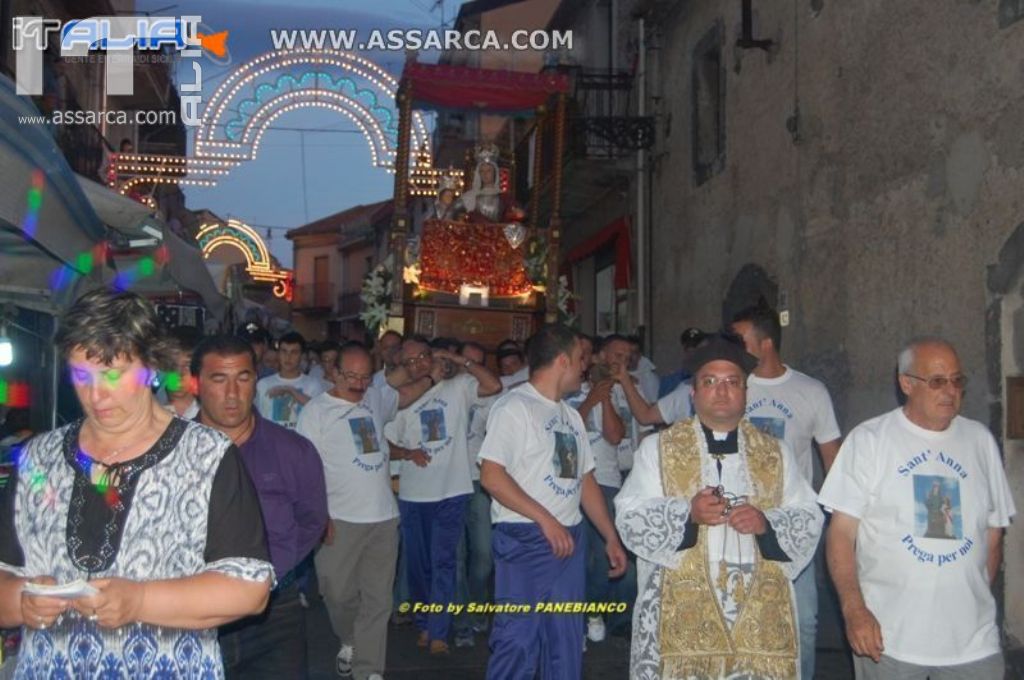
x=108 y=324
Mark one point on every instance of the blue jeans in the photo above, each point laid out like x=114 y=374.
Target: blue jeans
x=599 y=587
x=475 y=562
x=806 y=591
x=431 y=532
x=269 y=645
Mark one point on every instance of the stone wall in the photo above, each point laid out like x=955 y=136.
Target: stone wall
x=873 y=170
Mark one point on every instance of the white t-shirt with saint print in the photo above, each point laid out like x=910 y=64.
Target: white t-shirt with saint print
x=283 y=409
x=543 y=446
x=437 y=422
x=351 y=444
x=795 y=408
x=925 y=501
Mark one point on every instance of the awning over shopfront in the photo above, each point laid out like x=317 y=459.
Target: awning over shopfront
x=46 y=221
x=614 y=235
x=55 y=227
x=455 y=87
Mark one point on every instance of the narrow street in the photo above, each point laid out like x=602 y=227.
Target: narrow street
x=608 y=660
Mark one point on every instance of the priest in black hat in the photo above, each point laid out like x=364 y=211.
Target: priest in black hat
x=721 y=521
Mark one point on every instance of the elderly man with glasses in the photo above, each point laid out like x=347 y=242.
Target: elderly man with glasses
x=430 y=437
x=356 y=564
x=919 y=501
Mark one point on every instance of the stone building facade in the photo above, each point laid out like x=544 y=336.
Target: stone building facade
x=863 y=172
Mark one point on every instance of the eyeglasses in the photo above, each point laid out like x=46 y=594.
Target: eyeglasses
x=411 y=361
x=710 y=382
x=355 y=377
x=938 y=382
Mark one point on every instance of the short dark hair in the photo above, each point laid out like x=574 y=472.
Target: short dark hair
x=388 y=332
x=329 y=346
x=508 y=343
x=764 y=320
x=416 y=337
x=547 y=343
x=292 y=338
x=608 y=339
x=108 y=324
x=224 y=345
x=450 y=344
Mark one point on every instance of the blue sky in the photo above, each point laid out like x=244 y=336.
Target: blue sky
x=269 y=191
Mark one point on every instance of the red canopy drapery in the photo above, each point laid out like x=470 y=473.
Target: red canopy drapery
x=454 y=253
x=616 y=235
x=459 y=87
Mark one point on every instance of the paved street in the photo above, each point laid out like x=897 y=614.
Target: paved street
x=608 y=660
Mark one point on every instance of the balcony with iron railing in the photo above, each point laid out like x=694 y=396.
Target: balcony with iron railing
x=314 y=297
x=602 y=136
x=349 y=304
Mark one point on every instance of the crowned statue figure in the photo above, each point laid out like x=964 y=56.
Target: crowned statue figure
x=484 y=202
x=444 y=201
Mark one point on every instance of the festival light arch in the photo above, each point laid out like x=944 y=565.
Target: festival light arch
x=243 y=107
x=241 y=236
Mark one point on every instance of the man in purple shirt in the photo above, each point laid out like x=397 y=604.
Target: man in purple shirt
x=289 y=479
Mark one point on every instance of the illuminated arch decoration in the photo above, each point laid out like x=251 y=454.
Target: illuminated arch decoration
x=256 y=93
x=271 y=84
x=259 y=266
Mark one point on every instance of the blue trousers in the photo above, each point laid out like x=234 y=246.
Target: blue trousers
x=526 y=572
x=475 y=564
x=599 y=587
x=431 y=532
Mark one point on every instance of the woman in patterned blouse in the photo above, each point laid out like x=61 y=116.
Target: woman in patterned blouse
x=154 y=512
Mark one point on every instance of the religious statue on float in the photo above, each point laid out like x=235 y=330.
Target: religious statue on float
x=444 y=202
x=484 y=201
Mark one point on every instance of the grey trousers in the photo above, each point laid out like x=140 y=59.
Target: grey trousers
x=356 y=573
x=989 y=668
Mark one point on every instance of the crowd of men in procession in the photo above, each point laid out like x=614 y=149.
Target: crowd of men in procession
x=413 y=473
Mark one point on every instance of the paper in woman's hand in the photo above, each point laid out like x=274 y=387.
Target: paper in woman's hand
x=68 y=591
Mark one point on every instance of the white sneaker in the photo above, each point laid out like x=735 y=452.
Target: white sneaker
x=343 y=662
x=595 y=628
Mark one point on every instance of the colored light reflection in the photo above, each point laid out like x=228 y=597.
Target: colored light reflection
x=33 y=201
x=146 y=266
x=15 y=394
x=172 y=381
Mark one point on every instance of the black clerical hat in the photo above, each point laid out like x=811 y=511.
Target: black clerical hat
x=724 y=347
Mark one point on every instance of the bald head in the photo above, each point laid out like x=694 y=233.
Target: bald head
x=933 y=381
x=908 y=354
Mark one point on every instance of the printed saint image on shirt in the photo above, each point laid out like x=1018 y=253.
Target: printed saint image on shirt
x=566 y=458
x=365 y=434
x=776 y=427
x=937 y=507
x=285 y=410
x=432 y=425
